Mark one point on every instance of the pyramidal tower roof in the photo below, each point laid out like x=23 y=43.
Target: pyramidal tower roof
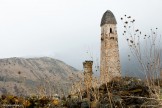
x=108 y=18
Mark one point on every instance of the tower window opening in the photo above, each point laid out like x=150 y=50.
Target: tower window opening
x=110 y=30
x=102 y=38
x=111 y=37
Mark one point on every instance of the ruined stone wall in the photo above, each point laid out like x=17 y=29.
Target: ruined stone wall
x=110 y=62
x=88 y=73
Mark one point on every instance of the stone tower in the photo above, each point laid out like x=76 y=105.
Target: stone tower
x=88 y=73
x=109 y=60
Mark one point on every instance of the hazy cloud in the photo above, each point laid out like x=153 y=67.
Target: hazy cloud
x=67 y=29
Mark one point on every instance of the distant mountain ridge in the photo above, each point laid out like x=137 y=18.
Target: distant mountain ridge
x=31 y=74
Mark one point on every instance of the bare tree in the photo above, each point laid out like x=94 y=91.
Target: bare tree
x=145 y=47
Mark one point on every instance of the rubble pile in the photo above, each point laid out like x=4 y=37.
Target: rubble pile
x=127 y=92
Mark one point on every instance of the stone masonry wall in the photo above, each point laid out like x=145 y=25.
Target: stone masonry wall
x=110 y=62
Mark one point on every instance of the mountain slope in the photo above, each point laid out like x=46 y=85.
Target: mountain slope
x=36 y=75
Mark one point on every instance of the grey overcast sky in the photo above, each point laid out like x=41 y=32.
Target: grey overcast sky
x=67 y=29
